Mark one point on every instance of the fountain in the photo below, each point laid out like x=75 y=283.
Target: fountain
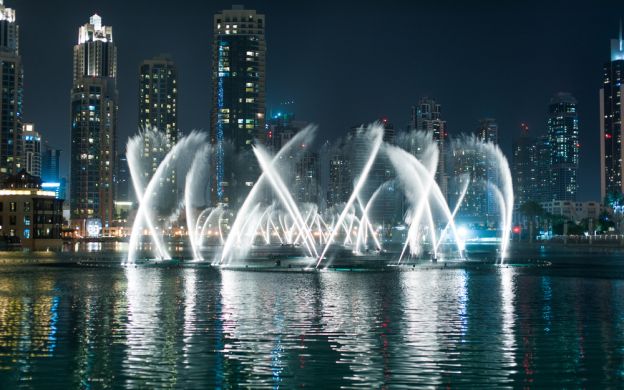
x=271 y=218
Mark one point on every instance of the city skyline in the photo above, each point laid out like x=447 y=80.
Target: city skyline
x=326 y=98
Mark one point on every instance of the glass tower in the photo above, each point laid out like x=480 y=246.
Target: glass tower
x=427 y=116
x=93 y=128
x=11 y=74
x=564 y=146
x=158 y=98
x=32 y=150
x=611 y=152
x=523 y=167
x=238 y=92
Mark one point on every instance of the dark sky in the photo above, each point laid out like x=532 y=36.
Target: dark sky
x=346 y=63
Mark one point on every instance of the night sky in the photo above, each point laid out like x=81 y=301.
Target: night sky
x=345 y=64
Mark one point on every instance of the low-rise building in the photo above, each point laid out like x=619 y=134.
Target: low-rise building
x=573 y=211
x=29 y=213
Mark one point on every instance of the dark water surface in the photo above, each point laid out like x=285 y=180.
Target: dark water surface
x=70 y=327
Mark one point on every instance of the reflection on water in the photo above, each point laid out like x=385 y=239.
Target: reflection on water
x=137 y=327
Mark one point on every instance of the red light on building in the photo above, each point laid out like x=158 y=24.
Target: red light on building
x=608 y=136
x=516 y=229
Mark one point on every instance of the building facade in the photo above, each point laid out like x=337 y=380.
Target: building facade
x=306 y=186
x=11 y=94
x=238 y=95
x=339 y=184
x=158 y=99
x=487 y=131
x=50 y=164
x=611 y=118
x=93 y=127
x=427 y=116
x=563 y=136
x=573 y=211
x=542 y=158
x=31 y=214
x=523 y=167
x=469 y=165
x=31 y=150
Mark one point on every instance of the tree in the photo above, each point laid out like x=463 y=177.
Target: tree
x=615 y=201
x=533 y=212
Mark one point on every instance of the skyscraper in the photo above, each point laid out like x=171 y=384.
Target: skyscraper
x=488 y=132
x=468 y=164
x=158 y=97
x=611 y=118
x=238 y=95
x=306 y=183
x=50 y=171
x=50 y=164
x=339 y=185
x=31 y=149
x=543 y=185
x=523 y=167
x=564 y=145
x=387 y=205
x=11 y=76
x=427 y=116
x=93 y=127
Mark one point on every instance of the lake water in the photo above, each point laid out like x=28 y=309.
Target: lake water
x=537 y=327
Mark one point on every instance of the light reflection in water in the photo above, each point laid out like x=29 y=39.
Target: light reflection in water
x=507 y=309
x=206 y=328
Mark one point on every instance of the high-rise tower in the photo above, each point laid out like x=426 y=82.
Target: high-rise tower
x=11 y=77
x=158 y=99
x=523 y=167
x=427 y=116
x=93 y=128
x=564 y=146
x=31 y=149
x=611 y=118
x=238 y=95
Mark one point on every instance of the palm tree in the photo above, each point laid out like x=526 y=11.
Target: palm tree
x=533 y=213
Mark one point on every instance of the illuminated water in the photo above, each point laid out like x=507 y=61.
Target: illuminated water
x=69 y=327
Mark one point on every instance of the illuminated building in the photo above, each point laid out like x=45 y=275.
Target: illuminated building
x=427 y=116
x=50 y=172
x=123 y=186
x=339 y=184
x=381 y=173
x=488 y=132
x=238 y=95
x=611 y=118
x=282 y=127
x=468 y=164
x=11 y=95
x=573 y=211
x=158 y=99
x=523 y=167
x=301 y=165
x=30 y=212
x=307 y=177
x=93 y=127
x=479 y=206
x=542 y=158
x=31 y=150
x=564 y=146
x=50 y=164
